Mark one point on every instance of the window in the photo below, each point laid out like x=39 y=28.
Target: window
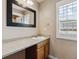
x=66 y=20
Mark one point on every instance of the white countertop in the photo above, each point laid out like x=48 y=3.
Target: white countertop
x=11 y=47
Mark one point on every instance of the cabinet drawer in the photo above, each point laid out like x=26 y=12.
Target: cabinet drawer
x=42 y=43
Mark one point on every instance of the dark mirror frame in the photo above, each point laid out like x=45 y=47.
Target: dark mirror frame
x=9 y=15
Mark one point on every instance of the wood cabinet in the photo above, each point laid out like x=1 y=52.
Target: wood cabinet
x=43 y=50
x=31 y=52
x=18 y=55
x=38 y=51
x=46 y=51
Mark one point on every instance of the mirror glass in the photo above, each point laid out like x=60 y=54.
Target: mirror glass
x=21 y=15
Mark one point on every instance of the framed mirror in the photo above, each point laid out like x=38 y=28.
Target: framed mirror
x=20 y=16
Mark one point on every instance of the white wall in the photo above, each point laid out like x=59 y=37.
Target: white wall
x=17 y=32
x=62 y=49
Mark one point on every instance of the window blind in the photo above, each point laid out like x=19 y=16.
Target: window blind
x=67 y=20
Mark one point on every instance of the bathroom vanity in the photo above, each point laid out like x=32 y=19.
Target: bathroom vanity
x=31 y=48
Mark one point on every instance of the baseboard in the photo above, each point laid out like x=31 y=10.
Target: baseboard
x=52 y=57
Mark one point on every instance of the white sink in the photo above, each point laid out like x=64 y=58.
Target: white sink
x=39 y=37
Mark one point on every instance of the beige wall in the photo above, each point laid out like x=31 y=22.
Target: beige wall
x=16 y=32
x=62 y=49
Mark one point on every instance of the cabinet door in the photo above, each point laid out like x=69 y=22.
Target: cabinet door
x=18 y=55
x=46 y=51
x=31 y=52
x=40 y=53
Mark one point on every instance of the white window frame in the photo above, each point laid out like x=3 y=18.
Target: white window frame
x=67 y=35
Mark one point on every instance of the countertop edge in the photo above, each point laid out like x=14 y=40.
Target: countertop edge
x=10 y=53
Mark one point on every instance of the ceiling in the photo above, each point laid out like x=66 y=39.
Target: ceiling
x=40 y=1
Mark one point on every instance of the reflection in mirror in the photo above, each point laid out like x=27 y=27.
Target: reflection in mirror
x=21 y=15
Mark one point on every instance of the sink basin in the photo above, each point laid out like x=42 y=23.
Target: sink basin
x=38 y=37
